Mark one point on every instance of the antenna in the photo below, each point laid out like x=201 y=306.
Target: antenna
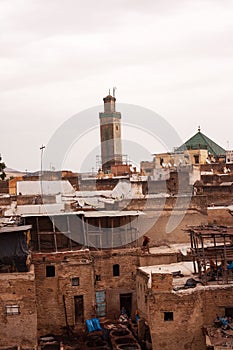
x=109 y=91
x=114 y=91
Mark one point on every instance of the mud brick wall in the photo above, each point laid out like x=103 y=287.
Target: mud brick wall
x=198 y=203
x=161 y=282
x=29 y=199
x=192 y=309
x=217 y=167
x=220 y=216
x=218 y=195
x=50 y=290
x=159 y=259
x=4 y=186
x=115 y=285
x=142 y=293
x=21 y=329
x=184 y=331
x=156 y=225
x=160 y=211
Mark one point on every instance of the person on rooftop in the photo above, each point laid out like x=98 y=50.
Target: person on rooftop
x=145 y=244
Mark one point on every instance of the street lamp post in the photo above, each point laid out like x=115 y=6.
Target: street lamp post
x=41 y=168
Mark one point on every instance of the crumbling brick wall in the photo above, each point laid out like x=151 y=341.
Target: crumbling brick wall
x=125 y=283
x=18 y=289
x=176 y=319
x=55 y=294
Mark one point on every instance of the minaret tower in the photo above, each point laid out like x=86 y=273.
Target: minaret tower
x=110 y=134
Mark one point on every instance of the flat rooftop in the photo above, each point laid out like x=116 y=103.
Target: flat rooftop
x=185 y=268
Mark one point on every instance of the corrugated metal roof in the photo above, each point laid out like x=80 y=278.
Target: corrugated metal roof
x=91 y=214
x=54 y=214
x=112 y=213
x=8 y=229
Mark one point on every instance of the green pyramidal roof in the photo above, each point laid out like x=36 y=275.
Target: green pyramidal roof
x=201 y=141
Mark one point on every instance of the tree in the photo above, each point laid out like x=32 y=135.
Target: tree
x=2 y=167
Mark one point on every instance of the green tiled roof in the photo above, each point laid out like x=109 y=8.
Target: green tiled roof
x=201 y=141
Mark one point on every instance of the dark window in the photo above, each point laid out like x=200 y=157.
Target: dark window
x=75 y=281
x=97 y=278
x=50 y=271
x=196 y=159
x=116 y=270
x=229 y=312
x=168 y=316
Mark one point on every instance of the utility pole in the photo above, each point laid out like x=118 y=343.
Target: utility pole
x=41 y=168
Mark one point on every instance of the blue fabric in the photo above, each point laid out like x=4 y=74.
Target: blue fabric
x=96 y=324
x=93 y=325
x=223 y=321
x=230 y=267
x=90 y=326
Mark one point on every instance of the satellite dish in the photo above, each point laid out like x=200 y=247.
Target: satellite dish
x=81 y=202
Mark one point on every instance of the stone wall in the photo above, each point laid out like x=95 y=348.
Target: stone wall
x=19 y=329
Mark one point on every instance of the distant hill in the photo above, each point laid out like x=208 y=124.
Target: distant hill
x=10 y=170
x=13 y=172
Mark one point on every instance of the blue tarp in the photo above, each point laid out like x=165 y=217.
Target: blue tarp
x=93 y=325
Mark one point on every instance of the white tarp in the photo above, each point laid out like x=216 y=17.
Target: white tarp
x=35 y=209
x=44 y=187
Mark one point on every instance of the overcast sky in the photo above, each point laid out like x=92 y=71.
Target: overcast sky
x=59 y=57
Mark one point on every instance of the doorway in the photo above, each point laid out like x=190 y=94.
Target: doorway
x=79 y=309
x=229 y=312
x=126 y=302
x=100 y=303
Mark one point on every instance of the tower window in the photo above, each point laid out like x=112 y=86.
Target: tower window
x=116 y=270
x=117 y=127
x=50 y=271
